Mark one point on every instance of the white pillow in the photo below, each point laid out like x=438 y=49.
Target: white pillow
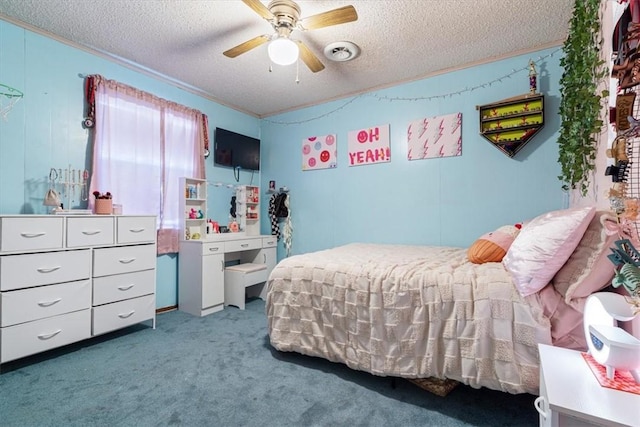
x=544 y=245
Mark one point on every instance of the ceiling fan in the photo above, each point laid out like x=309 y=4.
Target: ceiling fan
x=284 y=17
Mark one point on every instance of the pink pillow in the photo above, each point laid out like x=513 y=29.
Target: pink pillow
x=567 y=329
x=588 y=269
x=544 y=245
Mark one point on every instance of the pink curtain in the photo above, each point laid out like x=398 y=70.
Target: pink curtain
x=142 y=145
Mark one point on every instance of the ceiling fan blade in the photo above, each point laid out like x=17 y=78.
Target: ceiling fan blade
x=309 y=58
x=326 y=19
x=246 y=46
x=260 y=9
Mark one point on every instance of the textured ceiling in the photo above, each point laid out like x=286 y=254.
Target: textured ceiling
x=400 y=41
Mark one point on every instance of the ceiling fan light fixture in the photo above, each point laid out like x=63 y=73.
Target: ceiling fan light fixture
x=283 y=51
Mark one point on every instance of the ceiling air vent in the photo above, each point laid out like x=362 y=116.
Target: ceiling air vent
x=341 y=51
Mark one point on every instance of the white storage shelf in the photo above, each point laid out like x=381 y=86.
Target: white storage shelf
x=193 y=199
x=248 y=209
x=67 y=278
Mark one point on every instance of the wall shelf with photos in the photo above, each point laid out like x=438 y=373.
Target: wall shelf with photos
x=509 y=124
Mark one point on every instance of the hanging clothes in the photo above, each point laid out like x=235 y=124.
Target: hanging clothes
x=288 y=228
x=275 y=228
x=279 y=209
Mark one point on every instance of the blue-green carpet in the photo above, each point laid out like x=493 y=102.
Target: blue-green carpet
x=220 y=370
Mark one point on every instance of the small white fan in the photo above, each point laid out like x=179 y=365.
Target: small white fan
x=610 y=345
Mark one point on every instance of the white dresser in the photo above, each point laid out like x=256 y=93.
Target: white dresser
x=66 y=278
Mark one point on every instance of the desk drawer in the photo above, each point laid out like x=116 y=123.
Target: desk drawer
x=242 y=245
x=90 y=231
x=118 y=315
x=109 y=289
x=124 y=259
x=25 y=305
x=269 y=242
x=34 y=337
x=34 y=233
x=22 y=271
x=213 y=248
x=136 y=229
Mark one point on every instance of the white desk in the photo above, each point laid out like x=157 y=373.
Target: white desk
x=201 y=265
x=570 y=394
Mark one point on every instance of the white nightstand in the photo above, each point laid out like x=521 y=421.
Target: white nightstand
x=570 y=394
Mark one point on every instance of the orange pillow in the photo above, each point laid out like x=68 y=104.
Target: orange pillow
x=493 y=246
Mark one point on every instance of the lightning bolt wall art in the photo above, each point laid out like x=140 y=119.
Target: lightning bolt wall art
x=434 y=137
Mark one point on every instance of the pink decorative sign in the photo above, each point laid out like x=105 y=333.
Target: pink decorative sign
x=367 y=146
x=435 y=137
x=319 y=152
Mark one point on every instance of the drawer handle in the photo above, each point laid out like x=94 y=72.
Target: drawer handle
x=126 y=288
x=48 y=336
x=127 y=261
x=124 y=316
x=213 y=249
x=48 y=270
x=49 y=303
x=244 y=245
x=538 y=405
x=91 y=233
x=30 y=235
x=136 y=230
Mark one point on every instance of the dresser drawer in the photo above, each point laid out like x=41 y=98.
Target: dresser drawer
x=25 y=305
x=269 y=242
x=109 y=289
x=124 y=313
x=136 y=229
x=242 y=245
x=32 y=233
x=90 y=231
x=41 y=335
x=28 y=270
x=213 y=248
x=124 y=259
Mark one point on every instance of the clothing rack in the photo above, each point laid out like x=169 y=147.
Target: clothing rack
x=280 y=190
x=221 y=184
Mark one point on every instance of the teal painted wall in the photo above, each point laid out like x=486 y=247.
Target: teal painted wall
x=447 y=201
x=44 y=128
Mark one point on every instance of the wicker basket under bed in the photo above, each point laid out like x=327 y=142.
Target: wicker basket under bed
x=440 y=387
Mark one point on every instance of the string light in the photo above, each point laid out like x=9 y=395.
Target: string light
x=419 y=98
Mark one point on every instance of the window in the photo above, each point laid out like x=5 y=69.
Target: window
x=142 y=146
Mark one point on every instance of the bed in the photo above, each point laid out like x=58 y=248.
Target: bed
x=427 y=311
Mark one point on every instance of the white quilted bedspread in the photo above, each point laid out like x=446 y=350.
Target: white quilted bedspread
x=408 y=311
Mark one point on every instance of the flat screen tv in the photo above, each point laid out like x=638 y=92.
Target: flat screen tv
x=235 y=150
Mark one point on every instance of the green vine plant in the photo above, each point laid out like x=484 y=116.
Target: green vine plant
x=581 y=103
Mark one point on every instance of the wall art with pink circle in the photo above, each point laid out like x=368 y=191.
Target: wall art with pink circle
x=319 y=152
